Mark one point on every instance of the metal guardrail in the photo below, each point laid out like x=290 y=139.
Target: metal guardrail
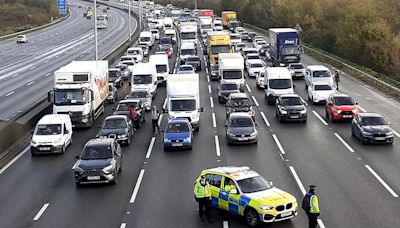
x=351 y=70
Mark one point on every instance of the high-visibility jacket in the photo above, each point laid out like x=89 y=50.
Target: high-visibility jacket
x=228 y=188
x=314 y=204
x=201 y=191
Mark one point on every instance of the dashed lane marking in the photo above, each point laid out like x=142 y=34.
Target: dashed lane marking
x=214 y=120
x=208 y=78
x=248 y=88
x=255 y=101
x=209 y=88
x=218 y=151
x=225 y=224
x=265 y=119
x=211 y=102
x=137 y=186
x=362 y=109
x=10 y=93
x=394 y=194
x=160 y=119
x=278 y=144
x=123 y=225
x=41 y=211
x=4 y=168
x=320 y=118
x=344 y=142
x=150 y=147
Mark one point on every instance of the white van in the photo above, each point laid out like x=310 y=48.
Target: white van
x=162 y=66
x=171 y=33
x=187 y=49
x=144 y=77
x=168 y=23
x=52 y=134
x=135 y=52
x=277 y=81
x=146 y=37
x=317 y=73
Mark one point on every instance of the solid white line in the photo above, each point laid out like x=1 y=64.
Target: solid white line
x=214 y=120
x=150 y=147
x=265 y=119
x=278 y=144
x=362 y=109
x=10 y=93
x=225 y=224
x=4 y=168
x=248 y=88
x=209 y=88
x=159 y=119
x=212 y=102
x=136 y=189
x=30 y=83
x=41 y=211
x=123 y=225
x=382 y=181
x=165 y=103
x=344 y=142
x=217 y=145
x=32 y=68
x=396 y=133
x=255 y=101
x=320 y=118
x=298 y=181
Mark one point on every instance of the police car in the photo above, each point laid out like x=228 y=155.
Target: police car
x=252 y=196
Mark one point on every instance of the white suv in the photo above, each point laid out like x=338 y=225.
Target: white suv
x=22 y=39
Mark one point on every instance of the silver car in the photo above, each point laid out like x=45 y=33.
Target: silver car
x=143 y=95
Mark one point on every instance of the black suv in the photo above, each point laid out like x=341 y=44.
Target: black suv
x=123 y=109
x=225 y=90
x=290 y=107
x=194 y=61
x=118 y=127
x=239 y=102
x=99 y=162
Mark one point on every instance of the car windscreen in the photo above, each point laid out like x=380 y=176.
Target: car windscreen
x=133 y=52
x=241 y=122
x=291 y=101
x=372 y=120
x=70 y=97
x=321 y=74
x=253 y=57
x=185 y=68
x=193 y=59
x=139 y=94
x=240 y=102
x=114 y=124
x=161 y=68
x=220 y=49
x=253 y=184
x=177 y=128
x=183 y=105
x=188 y=35
x=280 y=83
x=256 y=65
x=142 y=79
x=93 y=152
x=144 y=39
x=322 y=87
x=297 y=66
x=125 y=106
x=188 y=52
x=232 y=86
x=113 y=74
x=232 y=74
x=343 y=101
x=48 y=129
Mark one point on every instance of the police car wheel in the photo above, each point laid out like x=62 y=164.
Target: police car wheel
x=252 y=217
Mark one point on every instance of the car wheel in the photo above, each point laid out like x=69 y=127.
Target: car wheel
x=78 y=184
x=251 y=217
x=326 y=114
x=63 y=149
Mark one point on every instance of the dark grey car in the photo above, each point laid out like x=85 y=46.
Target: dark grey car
x=99 y=162
x=119 y=127
x=239 y=102
x=241 y=129
x=195 y=62
x=290 y=107
x=225 y=89
x=371 y=128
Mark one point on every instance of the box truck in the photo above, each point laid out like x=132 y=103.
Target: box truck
x=230 y=68
x=284 y=46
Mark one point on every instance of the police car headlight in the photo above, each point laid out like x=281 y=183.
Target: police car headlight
x=265 y=207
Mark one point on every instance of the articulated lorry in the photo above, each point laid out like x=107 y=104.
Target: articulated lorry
x=228 y=16
x=80 y=90
x=284 y=46
x=217 y=42
x=183 y=98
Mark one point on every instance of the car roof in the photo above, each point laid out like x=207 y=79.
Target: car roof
x=255 y=61
x=340 y=95
x=113 y=69
x=369 y=114
x=240 y=115
x=179 y=120
x=128 y=101
x=317 y=67
x=116 y=117
x=99 y=141
x=53 y=119
x=289 y=96
x=181 y=66
x=234 y=172
x=238 y=95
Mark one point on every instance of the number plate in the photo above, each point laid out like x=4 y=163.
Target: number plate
x=44 y=148
x=243 y=139
x=176 y=144
x=285 y=214
x=294 y=117
x=91 y=178
x=347 y=116
x=380 y=138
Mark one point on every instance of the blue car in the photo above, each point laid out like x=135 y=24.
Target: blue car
x=178 y=135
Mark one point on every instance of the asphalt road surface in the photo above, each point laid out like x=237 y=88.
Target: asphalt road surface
x=358 y=185
x=26 y=70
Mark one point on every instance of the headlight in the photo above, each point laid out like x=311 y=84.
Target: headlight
x=338 y=111
x=166 y=140
x=188 y=139
x=121 y=136
x=230 y=134
x=108 y=169
x=265 y=207
x=303 y=111
x=254 y=133
x=283 y=111
x=58 y=141
x=389 y=134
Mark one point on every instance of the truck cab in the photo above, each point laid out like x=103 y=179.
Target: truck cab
x=217 y=42
x=230 y=67
x=144 y=77
x=277 y=81
x=284 y=46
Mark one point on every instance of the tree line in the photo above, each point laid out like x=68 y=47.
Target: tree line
x=366 y=32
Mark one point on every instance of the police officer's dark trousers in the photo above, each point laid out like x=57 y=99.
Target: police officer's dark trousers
x=206 y=204
x=312 y=220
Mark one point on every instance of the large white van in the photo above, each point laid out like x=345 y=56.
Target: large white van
x=144 y=77
x=52 y=134
x=171 y=33
x=277 y=81
x=135 y=52
x=317 y=73
x=146 y=37
x=187 y=49
x=168 y=23
x=162 y=66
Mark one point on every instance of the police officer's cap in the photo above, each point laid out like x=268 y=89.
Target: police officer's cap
x=313 y=186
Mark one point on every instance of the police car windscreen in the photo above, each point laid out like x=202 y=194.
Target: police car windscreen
x=253 y=184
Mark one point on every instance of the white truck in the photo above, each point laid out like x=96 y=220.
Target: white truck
x=188 y=32
x=162 y=66
x=230 y=68
x=277 y=81
x=206 y=25
x=183 y=98
x=80 y=90
x=144 y=77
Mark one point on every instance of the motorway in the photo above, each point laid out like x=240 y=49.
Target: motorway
x=358 y=185
x=26 y=70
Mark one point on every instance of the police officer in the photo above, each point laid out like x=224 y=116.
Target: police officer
x=202 y=193
x=229 y=186
x=337 y=79
x=311 y=207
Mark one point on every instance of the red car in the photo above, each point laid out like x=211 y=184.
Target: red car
x=341 y=106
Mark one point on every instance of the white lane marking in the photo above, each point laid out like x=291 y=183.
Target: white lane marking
x=362 y=109
x=217 y=145
x=344 y=142
x=214 y=120
x=48 y=74
x=382 y=181
x=209 y=88
x=396 y=133
x=278 y=144
x=248 y=88
x=4 y=168
x=204 y=58
x=137 y=186
x=255 y=101
x=165 y=103
x=30 y=83
x=150 y=147
x=46 y=61
x=205 y=64
x=123 y=225
x=206 y=70
x=298 y=181
x=41 y=211
x=225 y=224
x=212 y=102
x=10 y=93
x=159 y=119
x=320 y=118
x=208 y=78
x=320 y=223
x=74 y=166
x=15 y=75
x=265 y=119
